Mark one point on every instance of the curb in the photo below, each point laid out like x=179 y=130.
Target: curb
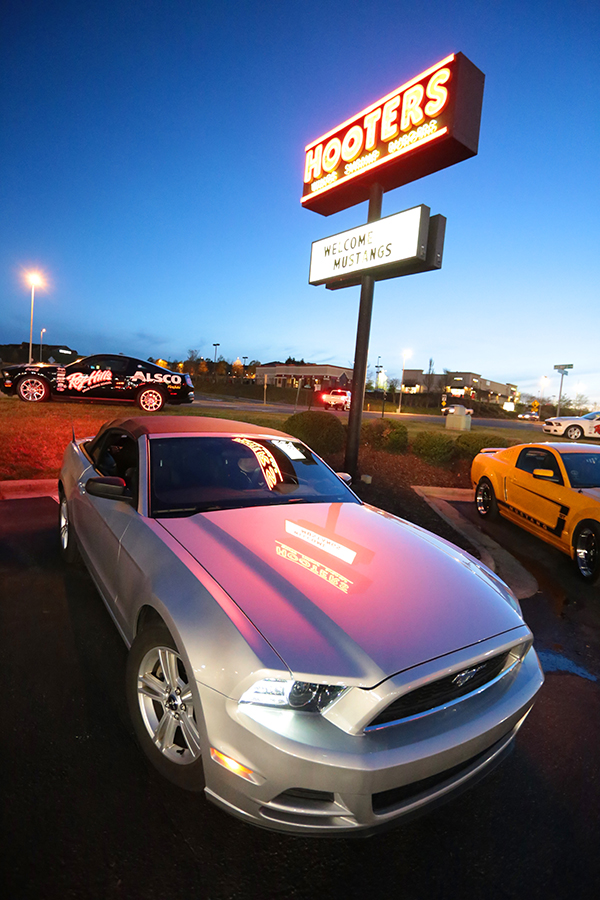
x=495 y=557
x=28 y=489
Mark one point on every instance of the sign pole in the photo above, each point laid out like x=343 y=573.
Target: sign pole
x=562 y=375
x=363 y=331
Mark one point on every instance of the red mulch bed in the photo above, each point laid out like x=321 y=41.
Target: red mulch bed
x=393 y=475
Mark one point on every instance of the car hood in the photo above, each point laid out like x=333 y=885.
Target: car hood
x=593 y=493
x=345 y=590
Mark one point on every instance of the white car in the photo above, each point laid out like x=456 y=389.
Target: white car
x=574 y=427
x=455 y=410
x=313 y=664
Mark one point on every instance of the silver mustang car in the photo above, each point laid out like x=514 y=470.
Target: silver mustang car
x=311 y=663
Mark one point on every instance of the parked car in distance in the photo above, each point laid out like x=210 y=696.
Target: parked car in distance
x=574 y=427
x=337 y=399
x=529 y=415
x=315 y=665
x=456 y=410
x=102 y=377
x=551 y=490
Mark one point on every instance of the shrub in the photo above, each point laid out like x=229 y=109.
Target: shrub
x=322 y=431
x=384 y=434
x=468 y=444
x=434 y=446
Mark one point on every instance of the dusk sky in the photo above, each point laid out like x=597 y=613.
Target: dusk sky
x=152 y=156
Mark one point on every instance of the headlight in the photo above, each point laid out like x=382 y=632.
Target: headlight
x=289 y=694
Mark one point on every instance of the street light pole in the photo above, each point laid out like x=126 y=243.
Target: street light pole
x=215 y=371
x=41 y=340
x=34 y=280
x=406 y=354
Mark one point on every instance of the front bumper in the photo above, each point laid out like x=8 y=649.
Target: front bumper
x=316 y=779
x=184 y=397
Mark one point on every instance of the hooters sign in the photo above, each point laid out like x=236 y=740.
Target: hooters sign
x=429 y=123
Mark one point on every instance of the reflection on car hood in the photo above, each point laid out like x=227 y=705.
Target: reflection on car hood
x=345 y=590
x=593 y=493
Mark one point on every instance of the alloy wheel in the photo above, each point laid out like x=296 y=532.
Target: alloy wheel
x=32 y=390
x=587 y=552
x=167 y=706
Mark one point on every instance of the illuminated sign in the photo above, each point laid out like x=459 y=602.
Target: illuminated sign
x=427 y=124
x=402 y=244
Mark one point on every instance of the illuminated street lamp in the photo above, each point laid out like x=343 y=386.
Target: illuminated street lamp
x=41 y=341
x=406 y=354
x=34 y=279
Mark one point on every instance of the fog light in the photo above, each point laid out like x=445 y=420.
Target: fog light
x=233 y=766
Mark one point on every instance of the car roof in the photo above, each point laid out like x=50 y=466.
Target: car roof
x=150 y=425
x=562 y=447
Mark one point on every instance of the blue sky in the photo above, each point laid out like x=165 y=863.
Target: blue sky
x=151 y=161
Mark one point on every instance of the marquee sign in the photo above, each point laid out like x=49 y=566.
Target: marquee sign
x=427 y=124
x=403 y=244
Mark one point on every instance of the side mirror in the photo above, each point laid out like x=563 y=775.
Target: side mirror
x=108 y=488
x=347 y=479
x=543 y=473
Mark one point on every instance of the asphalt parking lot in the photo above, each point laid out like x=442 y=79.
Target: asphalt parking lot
x=83 y=815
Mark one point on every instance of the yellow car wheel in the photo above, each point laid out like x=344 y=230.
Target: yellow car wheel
x=587 y=551
x=485 y=499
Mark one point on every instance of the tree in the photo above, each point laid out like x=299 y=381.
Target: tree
x=393 y=385
x=191 y=363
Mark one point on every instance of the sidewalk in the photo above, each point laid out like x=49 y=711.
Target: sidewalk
x=495 y=557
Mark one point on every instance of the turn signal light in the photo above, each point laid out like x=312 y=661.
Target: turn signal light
x=237 y=768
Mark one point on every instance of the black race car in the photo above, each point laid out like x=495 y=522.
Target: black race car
x=103 y=377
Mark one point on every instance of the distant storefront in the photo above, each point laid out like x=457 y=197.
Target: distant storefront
x=312 y=375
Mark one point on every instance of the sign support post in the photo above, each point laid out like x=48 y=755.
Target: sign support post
x=363 y=331
x=563 y=371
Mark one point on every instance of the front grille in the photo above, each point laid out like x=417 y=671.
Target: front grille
x=440 y=692
x=386 y=801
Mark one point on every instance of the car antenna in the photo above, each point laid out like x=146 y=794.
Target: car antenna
x=73 y=430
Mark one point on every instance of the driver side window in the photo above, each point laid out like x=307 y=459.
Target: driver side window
x=117 y=455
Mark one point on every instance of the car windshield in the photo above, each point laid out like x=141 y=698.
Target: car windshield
x=583 y=469
x=200 y=474
x=591 y=415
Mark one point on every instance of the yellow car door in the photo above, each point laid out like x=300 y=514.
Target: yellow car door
x=541 y=502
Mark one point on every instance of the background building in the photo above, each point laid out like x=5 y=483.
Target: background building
x=316 y=375
x=459 y=384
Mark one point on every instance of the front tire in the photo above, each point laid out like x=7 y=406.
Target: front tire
x=485 y=499
x=574 y=432
x=150 y=400
x=162 y=708
x=586 y=545
x=33 y=389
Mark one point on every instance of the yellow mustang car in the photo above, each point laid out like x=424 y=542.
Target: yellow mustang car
x=551 y=490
